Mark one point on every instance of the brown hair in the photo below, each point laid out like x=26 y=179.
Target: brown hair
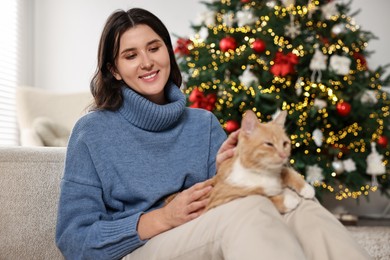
x=105 y=89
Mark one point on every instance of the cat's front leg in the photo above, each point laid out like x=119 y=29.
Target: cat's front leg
x=295 y=181
x=287 y=201
x=307 y=191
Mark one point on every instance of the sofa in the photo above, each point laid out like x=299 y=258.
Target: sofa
x=29 y=189
x=46 y=117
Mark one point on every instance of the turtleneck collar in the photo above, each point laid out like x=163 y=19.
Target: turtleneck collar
x=150 y=116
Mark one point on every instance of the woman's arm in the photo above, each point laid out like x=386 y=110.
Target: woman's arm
x=85 y=229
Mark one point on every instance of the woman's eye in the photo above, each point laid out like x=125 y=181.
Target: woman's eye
x=269 y=144
x=130 y=57
x=286 y=144
x=154 y=49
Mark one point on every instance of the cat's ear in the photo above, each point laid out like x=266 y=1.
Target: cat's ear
x=249 y=122
x=280 y=118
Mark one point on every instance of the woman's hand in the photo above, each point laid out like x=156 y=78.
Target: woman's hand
x=226 y=150
x=185 y=206
x=188 y=204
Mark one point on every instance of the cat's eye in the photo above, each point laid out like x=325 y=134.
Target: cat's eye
x=269 y=144
x=286 y=144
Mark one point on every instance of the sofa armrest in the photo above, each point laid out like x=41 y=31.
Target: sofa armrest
x=29 y=188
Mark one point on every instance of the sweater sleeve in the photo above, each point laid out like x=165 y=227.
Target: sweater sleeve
x=217 y=137
x=84 y=229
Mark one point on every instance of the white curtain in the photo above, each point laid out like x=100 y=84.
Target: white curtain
x=13 y=26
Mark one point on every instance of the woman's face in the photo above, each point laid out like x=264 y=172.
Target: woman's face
x=143 y=62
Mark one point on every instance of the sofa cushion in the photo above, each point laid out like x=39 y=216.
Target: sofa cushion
x=50 y=132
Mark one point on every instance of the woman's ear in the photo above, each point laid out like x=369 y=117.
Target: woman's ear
x=114 y=72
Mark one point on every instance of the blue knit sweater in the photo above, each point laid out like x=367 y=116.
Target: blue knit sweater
x=121 y=164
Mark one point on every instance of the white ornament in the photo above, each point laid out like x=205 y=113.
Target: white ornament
x=292 y=29
x=207 y=18
x=228 y=19
x=204 y=33
x=329 y=10
x=369 y=96
x=245 y=17
x=338 y=29
x=310 y=39
x=375 y=165
x=288 y=3
x=349 y=165
x=314 y=174
x=319 y=103
x=312 y=8
x=298 y=87
x=271 y=4
x=318 y=137
x=317 y=64
x=338 y=166
x=340 y=64
x=191 y=72
x=227 y=75
x=185 y=77
x=247 y=78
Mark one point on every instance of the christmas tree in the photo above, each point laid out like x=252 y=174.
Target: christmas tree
x=304 y=56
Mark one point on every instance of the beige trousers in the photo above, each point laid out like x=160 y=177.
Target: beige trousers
x=251 y=228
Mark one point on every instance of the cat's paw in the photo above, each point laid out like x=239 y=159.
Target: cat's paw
x=307 y=191
x=291 y=200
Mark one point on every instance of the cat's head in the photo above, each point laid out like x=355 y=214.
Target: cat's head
x=263 y=145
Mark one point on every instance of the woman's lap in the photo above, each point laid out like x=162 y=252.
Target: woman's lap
x=250 y=228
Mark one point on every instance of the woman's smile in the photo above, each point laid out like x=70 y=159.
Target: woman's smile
x=149 y=76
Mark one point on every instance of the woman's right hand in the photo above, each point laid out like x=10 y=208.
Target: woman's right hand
x=185 y=206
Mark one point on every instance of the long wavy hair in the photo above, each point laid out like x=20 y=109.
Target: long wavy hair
x=105 y=89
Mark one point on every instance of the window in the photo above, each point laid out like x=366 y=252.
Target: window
x=11 y=27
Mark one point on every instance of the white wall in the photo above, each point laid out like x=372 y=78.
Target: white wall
x=374 y=17
x=67 y=32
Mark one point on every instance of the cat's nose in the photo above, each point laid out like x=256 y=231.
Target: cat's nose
x=283 y=155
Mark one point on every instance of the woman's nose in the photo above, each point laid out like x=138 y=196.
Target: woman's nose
x=146 y=62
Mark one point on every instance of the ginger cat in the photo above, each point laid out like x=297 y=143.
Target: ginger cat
x=260 y=166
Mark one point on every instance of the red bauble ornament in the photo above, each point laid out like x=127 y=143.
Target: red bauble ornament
x=227 y=43
x=258 y=46
x=245 y=1
x=231 y=126
x=195 y=95
x=343 y=108
x=383 y=141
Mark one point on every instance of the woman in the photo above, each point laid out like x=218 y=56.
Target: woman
x=141 y=144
